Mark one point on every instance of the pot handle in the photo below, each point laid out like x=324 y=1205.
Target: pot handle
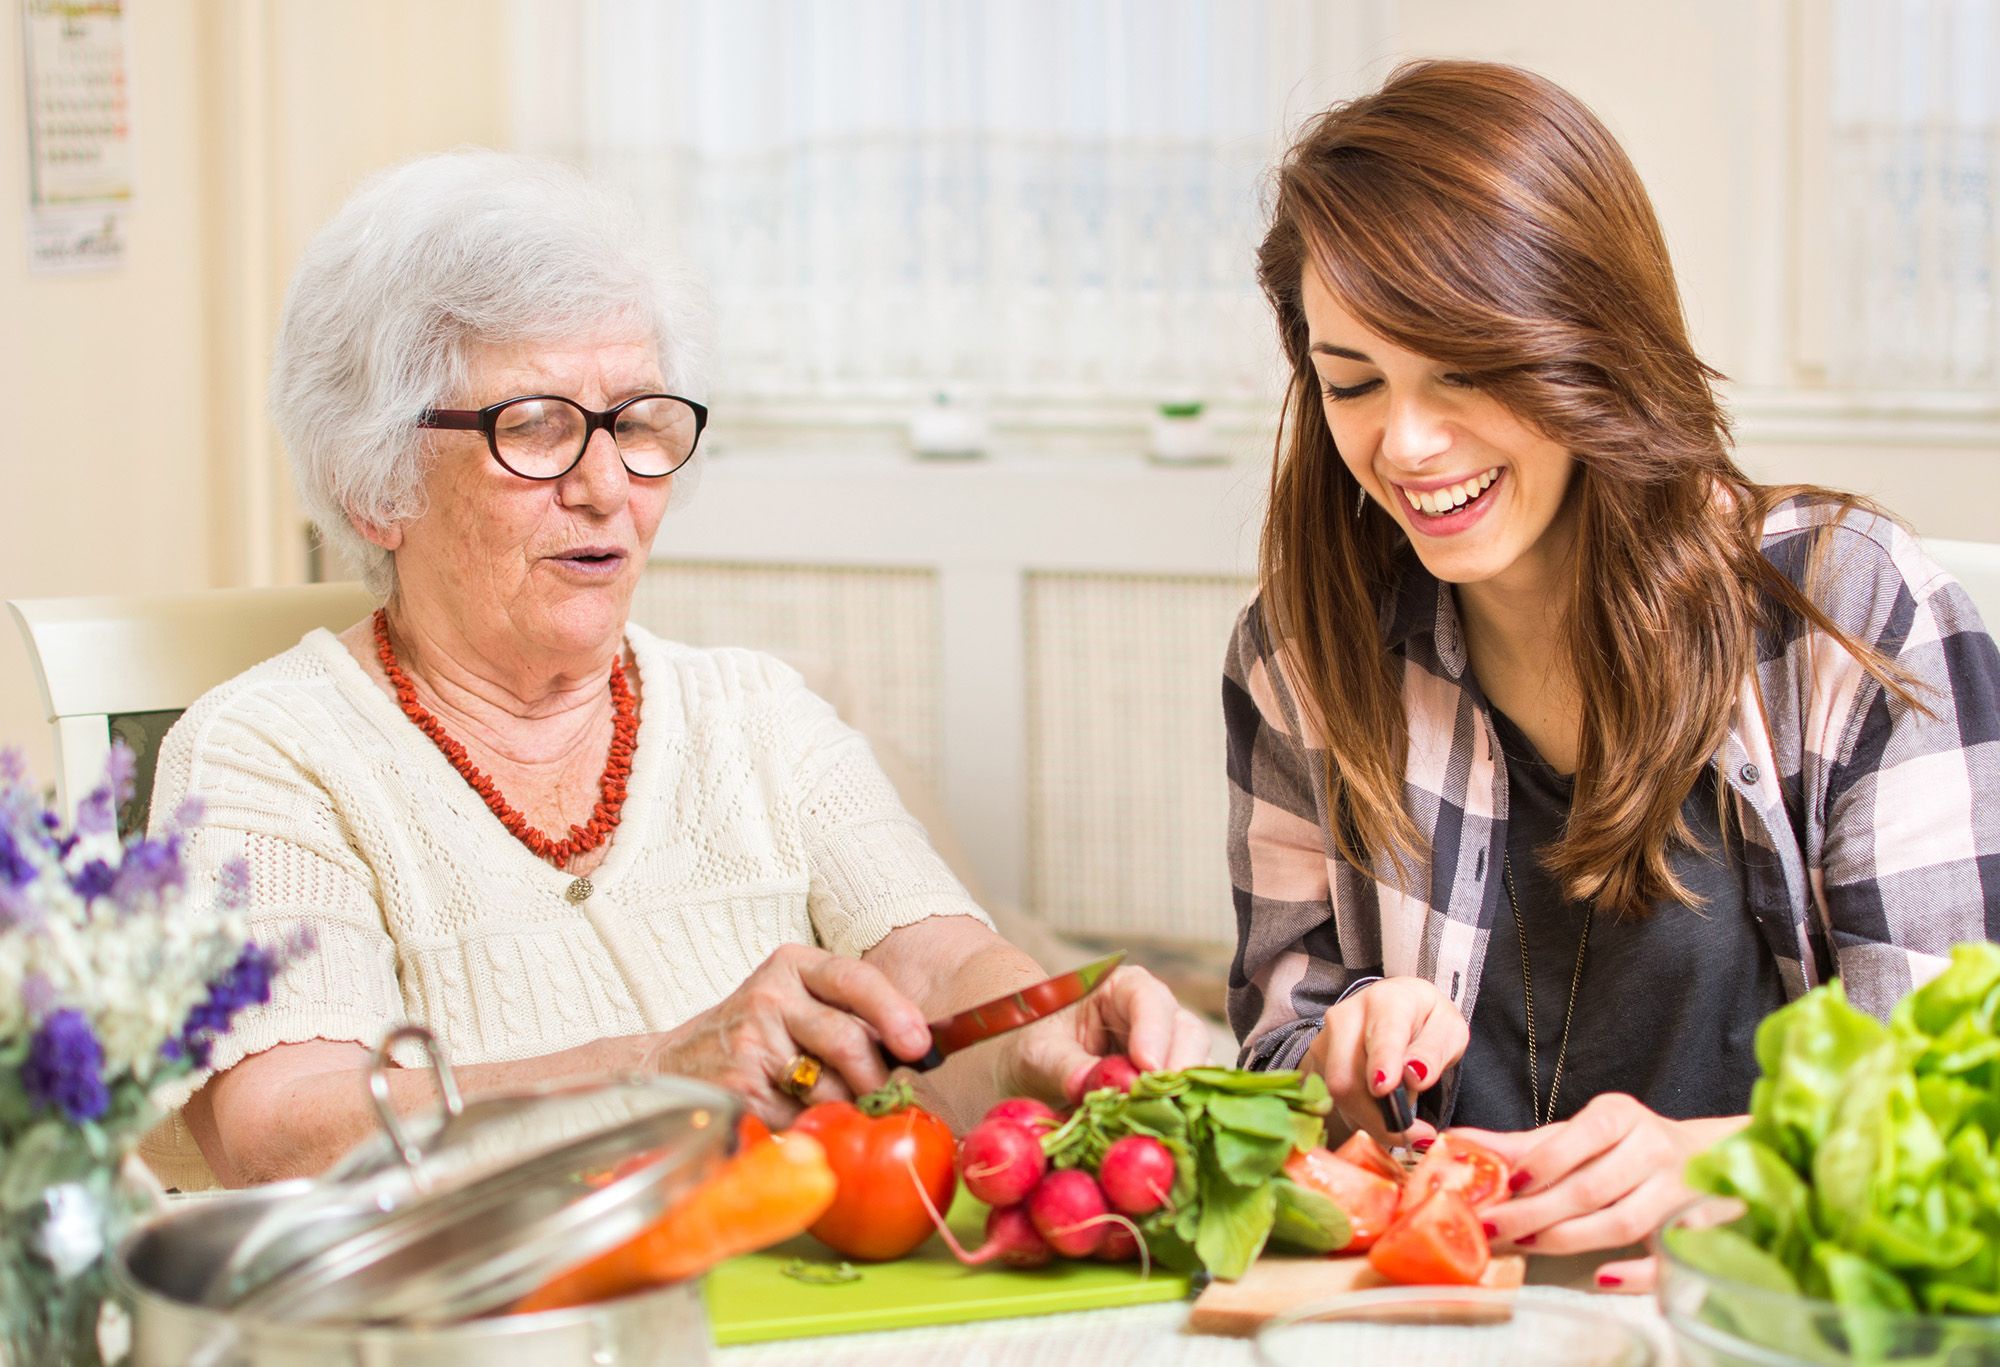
x=411 y=1151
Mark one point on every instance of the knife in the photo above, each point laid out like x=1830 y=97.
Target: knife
x=1010 y=1012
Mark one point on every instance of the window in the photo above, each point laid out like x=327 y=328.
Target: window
x=1906 y=217
x=1040 y=202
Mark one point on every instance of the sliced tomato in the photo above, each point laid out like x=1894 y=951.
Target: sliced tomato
x=1478 y=1175
x=1368 y=1201
x=1365 y=1152
x=1438 y=1242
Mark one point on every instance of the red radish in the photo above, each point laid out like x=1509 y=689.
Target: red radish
x=1032 y=1115
x=1068 y=1209
x=1001 y=1162
x=1011 y=1240
x=1114 y=1070
x=1137 y=1173
x=1120 y=1246
x=1011 y=1237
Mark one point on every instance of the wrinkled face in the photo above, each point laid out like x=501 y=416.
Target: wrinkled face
x=541 y=565
x=1480 y=492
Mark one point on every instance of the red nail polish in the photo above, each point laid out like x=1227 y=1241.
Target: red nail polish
x=1422 y=1145
x=1518 y=1180
x=1492 y=1230
x=1417 y=1070
x=1606 y=1279
x=1525 y=1240
x=1380 y=1077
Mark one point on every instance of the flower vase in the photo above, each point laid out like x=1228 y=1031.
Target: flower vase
x=56 y=1243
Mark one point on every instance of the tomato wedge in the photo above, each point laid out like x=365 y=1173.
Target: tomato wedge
x=1475 y=1174
x=1438 y=1242
x=1365 y=1152
x=1368 y=1201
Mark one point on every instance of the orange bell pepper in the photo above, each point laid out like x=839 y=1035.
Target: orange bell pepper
x=769 y=1191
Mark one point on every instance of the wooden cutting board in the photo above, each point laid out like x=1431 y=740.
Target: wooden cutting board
x=1276 y=1283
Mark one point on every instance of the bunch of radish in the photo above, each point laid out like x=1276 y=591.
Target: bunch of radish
x=1039 y=1212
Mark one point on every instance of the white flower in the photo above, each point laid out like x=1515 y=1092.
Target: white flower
x=70 y=1238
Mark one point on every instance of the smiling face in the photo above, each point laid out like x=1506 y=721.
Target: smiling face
x=1480 y=492
x=514 y=566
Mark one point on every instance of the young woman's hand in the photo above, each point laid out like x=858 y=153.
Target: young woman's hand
x=1605 y=1178
x=1392 y=1033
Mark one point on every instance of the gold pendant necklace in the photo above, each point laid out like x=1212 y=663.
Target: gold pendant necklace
x=1528 y=994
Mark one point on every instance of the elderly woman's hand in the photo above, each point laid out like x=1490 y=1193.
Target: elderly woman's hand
x=1132 y=1012
x=800 y=1000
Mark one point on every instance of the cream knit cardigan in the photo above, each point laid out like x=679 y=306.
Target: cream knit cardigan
x=754 y=818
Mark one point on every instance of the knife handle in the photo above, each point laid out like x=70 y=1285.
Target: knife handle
x=1397 y=1112
x=923 y=1065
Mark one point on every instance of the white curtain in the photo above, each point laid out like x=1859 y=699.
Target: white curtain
x=1026 y=199
x=1914 y=170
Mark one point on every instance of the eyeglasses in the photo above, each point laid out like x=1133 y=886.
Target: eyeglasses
x=543 y=436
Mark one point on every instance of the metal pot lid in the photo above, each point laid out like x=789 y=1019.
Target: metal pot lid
x=493 y=1199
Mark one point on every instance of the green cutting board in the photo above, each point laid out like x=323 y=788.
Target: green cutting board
x=751 y=1300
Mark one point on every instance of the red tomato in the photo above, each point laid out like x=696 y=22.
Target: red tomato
x=1368 y=1201
x=876 y=1214
x=1437 y=1242
x=1458 y=1165
x=1365 y=1152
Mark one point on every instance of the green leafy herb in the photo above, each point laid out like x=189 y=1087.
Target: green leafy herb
x=1230 y=1132
x=821 y=1274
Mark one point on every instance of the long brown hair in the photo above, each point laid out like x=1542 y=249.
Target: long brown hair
x=1482 y=217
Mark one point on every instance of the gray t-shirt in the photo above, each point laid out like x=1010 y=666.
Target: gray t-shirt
x=1668 y=1003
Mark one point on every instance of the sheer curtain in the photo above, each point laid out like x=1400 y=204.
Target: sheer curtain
x=1045 y=200
x=1915 y=148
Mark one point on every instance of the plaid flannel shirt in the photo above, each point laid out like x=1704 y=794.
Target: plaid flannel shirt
x=1869 y=832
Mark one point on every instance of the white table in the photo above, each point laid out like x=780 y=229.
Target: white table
x=1147 y=1334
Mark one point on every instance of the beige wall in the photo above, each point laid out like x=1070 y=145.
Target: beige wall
x=145 y=461
x=106 y=482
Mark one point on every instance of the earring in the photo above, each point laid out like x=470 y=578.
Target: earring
x=1360 y=502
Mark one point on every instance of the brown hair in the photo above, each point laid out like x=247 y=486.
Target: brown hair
x=1482 y=217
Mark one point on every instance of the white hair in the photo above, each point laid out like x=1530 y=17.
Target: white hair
x=465 y=247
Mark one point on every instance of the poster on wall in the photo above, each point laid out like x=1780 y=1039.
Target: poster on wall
x=79 y=134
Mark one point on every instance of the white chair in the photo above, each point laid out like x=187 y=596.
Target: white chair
x=1975 y=564
x=127 y=666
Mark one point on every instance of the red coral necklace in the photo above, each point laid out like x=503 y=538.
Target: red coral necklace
x=610 y=789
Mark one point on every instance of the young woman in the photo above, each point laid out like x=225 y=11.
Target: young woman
x=1560 y=751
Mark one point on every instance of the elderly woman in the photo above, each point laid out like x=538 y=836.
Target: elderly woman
x=500 y=807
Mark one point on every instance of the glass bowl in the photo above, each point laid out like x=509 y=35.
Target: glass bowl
x=1442 y=1326
x=1717 y=1322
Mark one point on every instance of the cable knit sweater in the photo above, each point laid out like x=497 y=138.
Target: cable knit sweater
x=754 y=818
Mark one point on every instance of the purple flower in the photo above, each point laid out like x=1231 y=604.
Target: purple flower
x=121 y=770
x=13 y=767
x=235 y=883
x=93 y=880
x=65 y=1068
x=97 y=814
x=151 y=868
x=187 y=816
x=247 y=983
x=15 y=870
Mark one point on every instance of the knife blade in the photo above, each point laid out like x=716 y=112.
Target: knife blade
x=982 y=1022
